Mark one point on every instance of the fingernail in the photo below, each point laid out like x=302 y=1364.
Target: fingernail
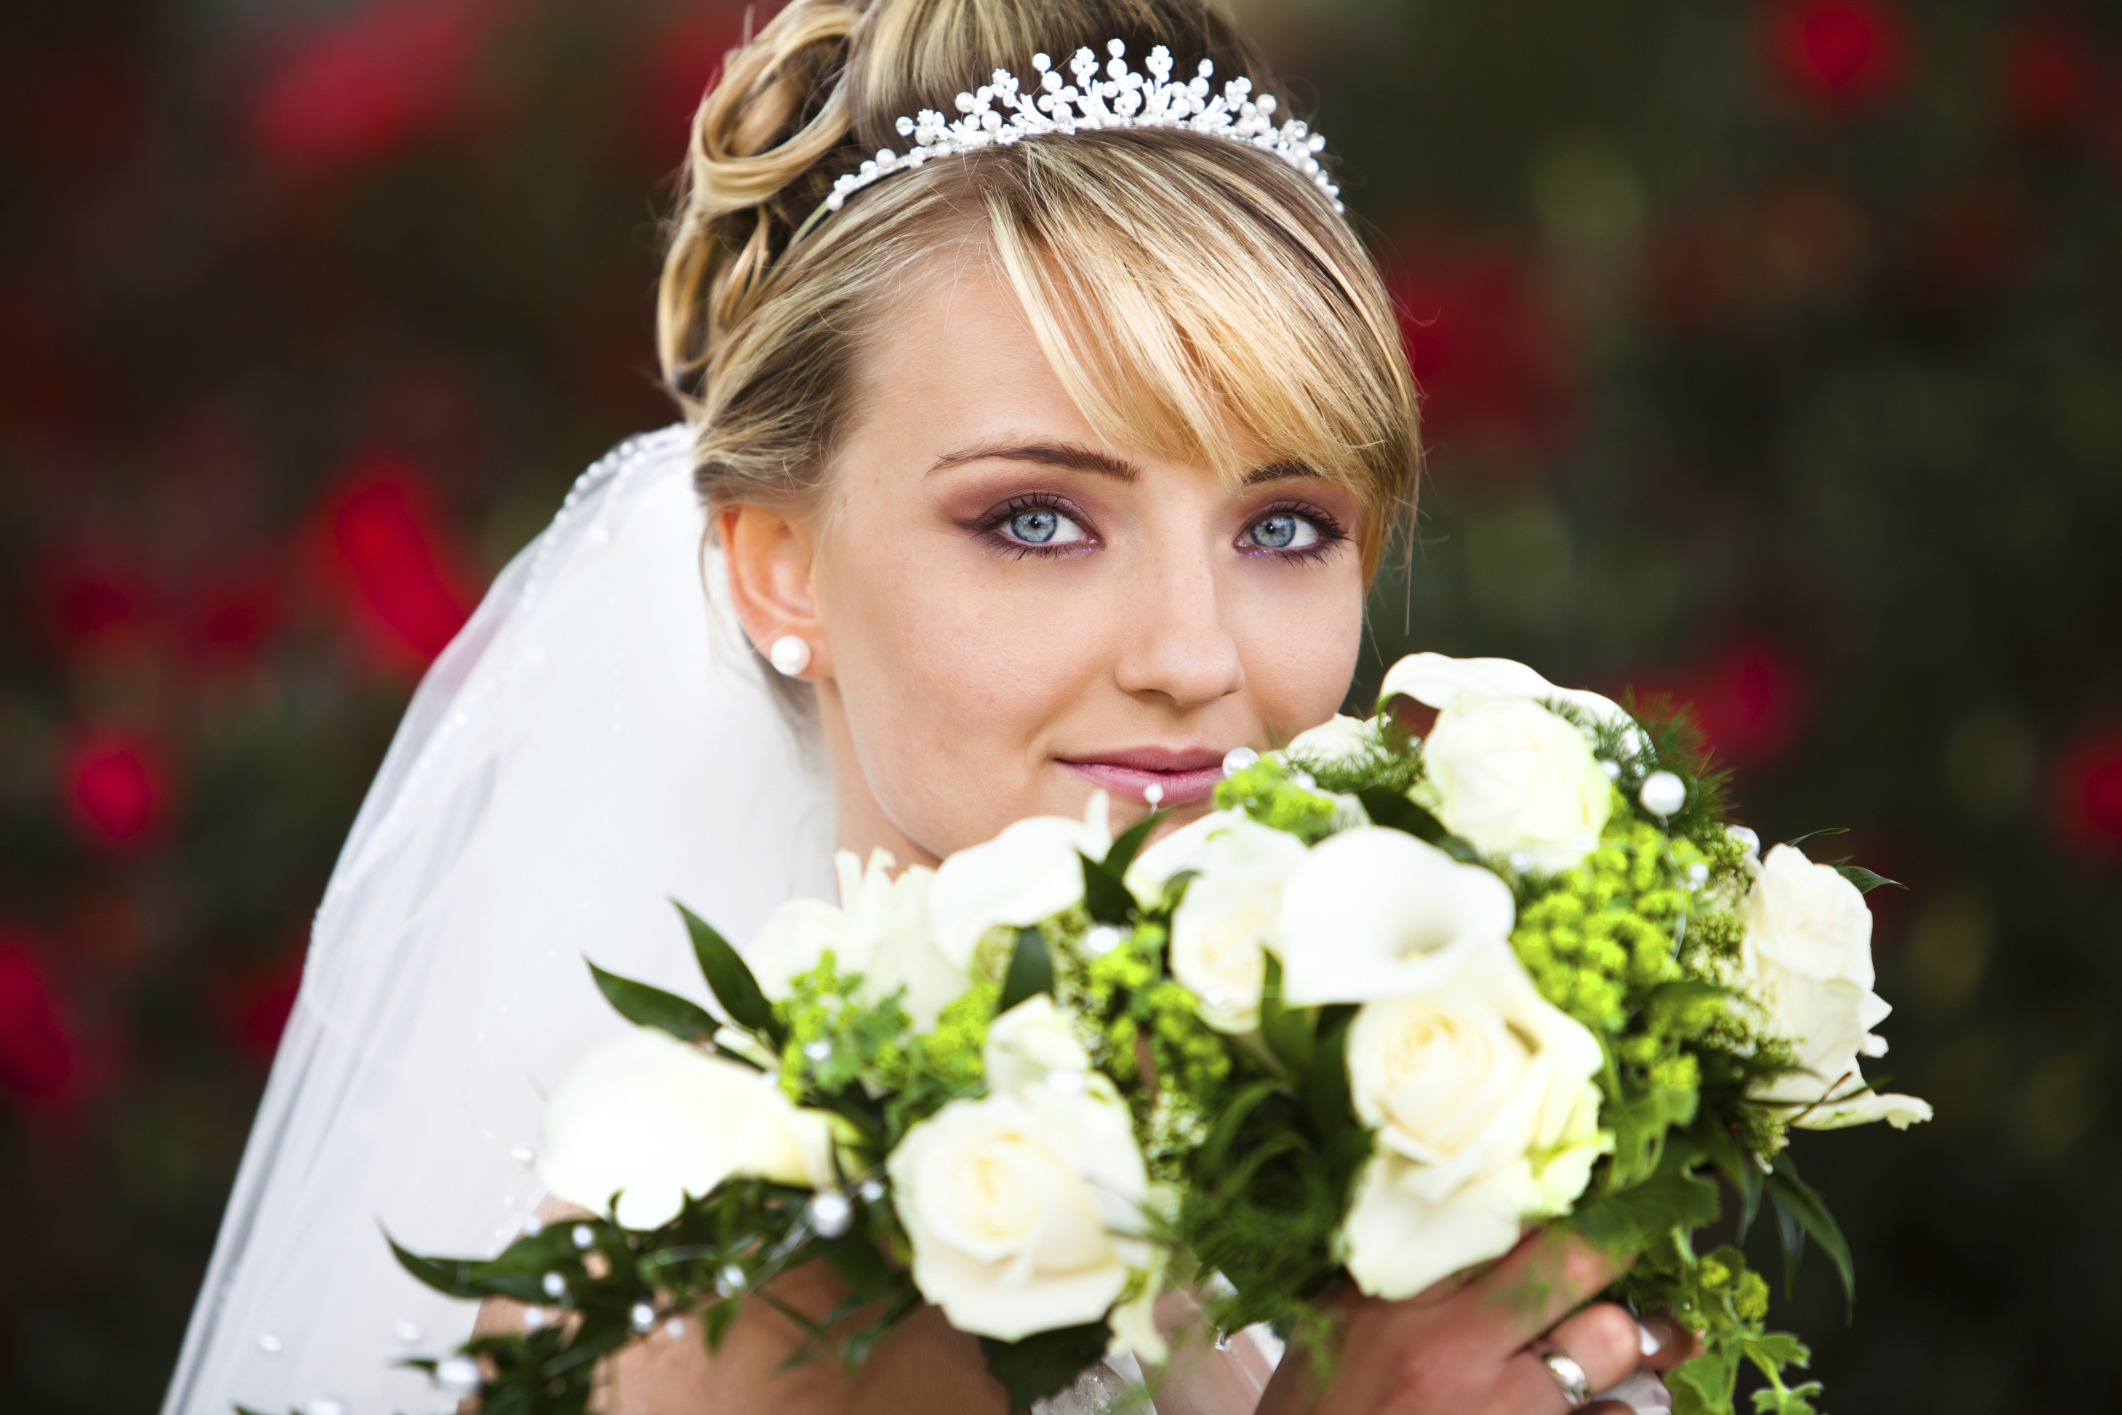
x=1648 y=1340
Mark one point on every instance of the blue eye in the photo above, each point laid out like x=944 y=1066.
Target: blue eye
x=1283 y=530
x=1037 y=526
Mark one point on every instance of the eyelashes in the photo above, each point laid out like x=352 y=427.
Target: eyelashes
x=1047 y=526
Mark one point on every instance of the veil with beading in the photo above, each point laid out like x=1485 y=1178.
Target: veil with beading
x=597 y=741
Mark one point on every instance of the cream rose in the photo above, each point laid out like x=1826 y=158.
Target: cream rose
x=1227 y=919
x=881 y=932
x=1807 y=959
x=1024 y=1207
x=1512 y=778
x=648 y=1118
x=1027 y=874
x=1482 y=1096
x=1375 y=913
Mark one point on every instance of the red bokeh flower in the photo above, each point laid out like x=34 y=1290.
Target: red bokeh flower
x=388 y=551
x=2049 y=81
x=680 y=61
x=233 y=614
x=38 y=1055
x=2085 y=788
x=1488 y=352
x=362 y=86
x=115 y=787
x=1749 y=699
x=1837 y=54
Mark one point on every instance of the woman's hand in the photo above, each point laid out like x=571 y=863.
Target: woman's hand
x=1473 y=1346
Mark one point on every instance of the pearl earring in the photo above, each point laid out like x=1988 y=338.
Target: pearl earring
x=789 y=655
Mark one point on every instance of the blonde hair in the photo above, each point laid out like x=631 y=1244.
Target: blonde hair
x=1190 y=292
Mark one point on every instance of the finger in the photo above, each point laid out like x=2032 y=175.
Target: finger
x=1543 y=1279
x=1603 y=1339
x=1666 y=1343
x=1529 y=1386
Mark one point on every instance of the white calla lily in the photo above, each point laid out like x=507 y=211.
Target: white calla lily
x=1375 y=913
x=1441 y=682
x=1025 y=875
x=653 y=1120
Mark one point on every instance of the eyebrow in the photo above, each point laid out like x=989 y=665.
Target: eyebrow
x=1076 y=457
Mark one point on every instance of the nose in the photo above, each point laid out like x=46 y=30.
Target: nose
x=1176 y=646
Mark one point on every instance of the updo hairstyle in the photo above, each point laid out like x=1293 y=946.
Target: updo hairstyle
x=1189 y=291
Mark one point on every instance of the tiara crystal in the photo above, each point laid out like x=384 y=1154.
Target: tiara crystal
x=1001 y=112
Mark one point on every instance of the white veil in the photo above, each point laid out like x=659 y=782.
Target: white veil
x=598 y=740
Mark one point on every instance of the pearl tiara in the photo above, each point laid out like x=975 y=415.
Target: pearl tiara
x=1000 y=112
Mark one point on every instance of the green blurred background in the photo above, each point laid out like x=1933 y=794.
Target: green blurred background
x=1773 y=358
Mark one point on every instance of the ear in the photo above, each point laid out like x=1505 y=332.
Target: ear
x=769 y=557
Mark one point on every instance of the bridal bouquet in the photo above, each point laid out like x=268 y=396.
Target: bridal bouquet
x=1398 y=997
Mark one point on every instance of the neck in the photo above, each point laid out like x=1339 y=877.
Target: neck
x=862 y=824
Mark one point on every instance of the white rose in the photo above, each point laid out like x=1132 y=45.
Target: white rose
x=1510 y=777
x=1337 y=737
x=882 y=932
x=1375 y=913
x=1025 y=875
x=1228 y=915
x=1482 y=1096
x=1024 y=1208
x=648 y=1118
x=1441 y=682
x=1807 y=957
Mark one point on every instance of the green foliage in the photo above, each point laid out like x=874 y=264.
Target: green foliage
x=1267 y=792
x=652 y=1007
x=1031 y=967
x=1043 y=1362
x=729 y=978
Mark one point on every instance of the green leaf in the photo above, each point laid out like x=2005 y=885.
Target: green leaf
x=453 y=1277
x=859 y=1263
x=1810 y=1212
x=653 y=1007
x=1798 y=840
x=1287 y=1031
x=1394 y=811
x=1792 y=1239
x=731 y=980
x=1031 y=970
x=1129 y=844
x=1702 y=1385
x=1105 y=894
x=1733 y=1162
x=1674 y=1198
x=1224 y=1133
x=1866 y=880
x=1044 y=1362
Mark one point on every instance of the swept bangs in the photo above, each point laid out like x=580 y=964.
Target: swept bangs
x=1194 y=295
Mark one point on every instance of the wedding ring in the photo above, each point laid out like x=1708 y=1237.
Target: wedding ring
x=1570 y=1376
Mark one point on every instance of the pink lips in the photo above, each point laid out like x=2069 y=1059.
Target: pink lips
x=1185 y=776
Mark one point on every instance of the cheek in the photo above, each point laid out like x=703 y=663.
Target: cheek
x=951 y=670
x=1299 y=635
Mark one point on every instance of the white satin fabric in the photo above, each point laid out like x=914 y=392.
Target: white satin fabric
x=599 y=739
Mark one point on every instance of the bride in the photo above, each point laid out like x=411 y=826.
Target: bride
x=1056 y=466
